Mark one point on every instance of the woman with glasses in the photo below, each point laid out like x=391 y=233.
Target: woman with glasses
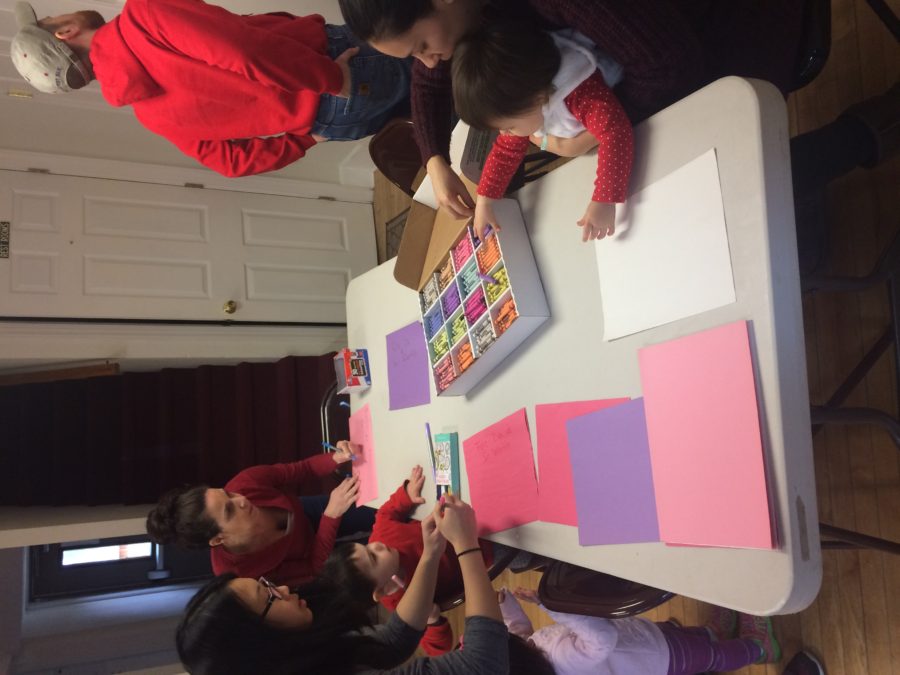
x=241 y=626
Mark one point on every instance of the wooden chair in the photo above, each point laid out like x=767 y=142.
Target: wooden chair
x=815 y=42
x=455 y=599
x=396 y=155
x=576 y=590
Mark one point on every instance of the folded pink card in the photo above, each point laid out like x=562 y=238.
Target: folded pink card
x=500 y=468
x=705 y=444
x=364 y=464
x=556 y=496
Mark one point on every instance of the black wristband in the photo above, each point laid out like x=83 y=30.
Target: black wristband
x=468 y=550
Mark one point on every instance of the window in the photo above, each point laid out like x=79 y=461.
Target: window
x=100 y=566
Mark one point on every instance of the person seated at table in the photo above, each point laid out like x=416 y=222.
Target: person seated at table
x=522 y=81
x=668 y=48
x=240 y=626
x=379 y=571
x=589 y=645
x=257 y=525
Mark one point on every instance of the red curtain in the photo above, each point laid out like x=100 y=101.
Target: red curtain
x=126 y=439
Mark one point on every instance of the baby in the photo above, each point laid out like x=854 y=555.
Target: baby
x=521 y=80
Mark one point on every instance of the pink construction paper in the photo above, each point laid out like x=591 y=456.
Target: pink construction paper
x=500 y=468
x=364 y=464
x=705 y=444
x=556 y=495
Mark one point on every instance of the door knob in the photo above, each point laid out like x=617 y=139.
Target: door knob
x=229 y=307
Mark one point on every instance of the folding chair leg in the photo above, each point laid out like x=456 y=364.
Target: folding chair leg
x=851 y=539
x=823 y=414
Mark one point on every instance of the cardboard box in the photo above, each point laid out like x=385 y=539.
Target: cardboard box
x=434 y=243
x=351 y=370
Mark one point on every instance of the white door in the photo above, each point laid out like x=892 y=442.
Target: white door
x=94 y=248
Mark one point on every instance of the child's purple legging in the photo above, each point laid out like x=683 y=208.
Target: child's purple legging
x=692 y=650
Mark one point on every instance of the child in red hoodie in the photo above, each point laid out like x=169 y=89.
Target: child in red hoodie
x=381 y=569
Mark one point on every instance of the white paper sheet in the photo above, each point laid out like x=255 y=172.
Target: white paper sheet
x=425 y=193
x=669 y=257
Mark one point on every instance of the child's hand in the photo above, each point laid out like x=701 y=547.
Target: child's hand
x=598 y=221
x=527 y=595
x=414 y=485
x=484 y=216
x=345 y=452
x=432 y=539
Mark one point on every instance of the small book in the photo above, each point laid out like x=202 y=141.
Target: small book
x=446 y=463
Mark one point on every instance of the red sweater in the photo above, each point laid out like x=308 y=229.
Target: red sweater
x=668 y=49
x=394 y=528
x=595 y=106
x=217 y=84
x=298 y=556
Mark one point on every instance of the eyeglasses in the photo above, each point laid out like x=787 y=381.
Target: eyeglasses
x=274 y=594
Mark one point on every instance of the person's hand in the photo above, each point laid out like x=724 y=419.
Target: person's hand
x=433 y=540
x=568 y=147
x=527 y=595
x=598 y=221
x=435 y=615
x=456 y=521
x=414 y=485
x=449 y=190
x=484 y=216
x=345 y=452
x=342 y=497
x=343 y=62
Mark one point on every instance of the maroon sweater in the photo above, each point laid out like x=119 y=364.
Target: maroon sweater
x=298 y=556
x=668 y=49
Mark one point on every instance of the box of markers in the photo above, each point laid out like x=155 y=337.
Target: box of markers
x=479 y=300
x=351 y=370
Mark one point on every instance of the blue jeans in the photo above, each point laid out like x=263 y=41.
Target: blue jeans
x=357 y=518
x=379 y=91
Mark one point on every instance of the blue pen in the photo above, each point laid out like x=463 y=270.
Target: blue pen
x=334 y=449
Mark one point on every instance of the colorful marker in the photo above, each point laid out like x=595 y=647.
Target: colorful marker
x=487 y=277
x=430 y=450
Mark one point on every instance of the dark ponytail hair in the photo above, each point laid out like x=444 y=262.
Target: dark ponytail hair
x=180 y=517
x=526 y=658
x=383 y=19
x=218 y=635
x=340 y=569
x=501 y=70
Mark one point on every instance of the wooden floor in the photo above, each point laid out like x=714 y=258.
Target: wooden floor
x=854 y=625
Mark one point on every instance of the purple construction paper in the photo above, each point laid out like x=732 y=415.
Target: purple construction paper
x=612 y=476
x=408 y=369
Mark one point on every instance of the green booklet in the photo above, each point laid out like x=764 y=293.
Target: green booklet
x=446 y=463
